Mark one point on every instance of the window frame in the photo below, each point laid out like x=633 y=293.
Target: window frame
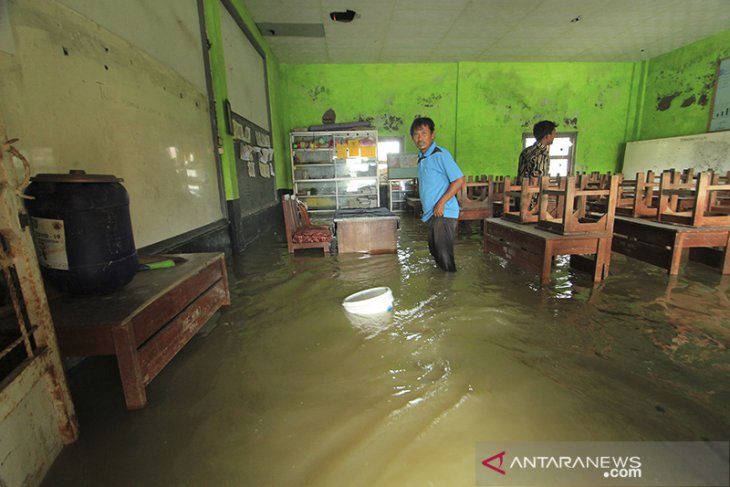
x=573 y=136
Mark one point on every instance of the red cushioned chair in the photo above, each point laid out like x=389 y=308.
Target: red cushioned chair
x=300 y=233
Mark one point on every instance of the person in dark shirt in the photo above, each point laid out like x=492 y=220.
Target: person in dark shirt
x=535 y=160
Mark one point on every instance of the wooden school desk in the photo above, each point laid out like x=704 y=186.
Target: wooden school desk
x=663 y=244
x=533 y=248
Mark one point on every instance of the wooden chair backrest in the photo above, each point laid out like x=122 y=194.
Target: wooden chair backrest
x=572 y=214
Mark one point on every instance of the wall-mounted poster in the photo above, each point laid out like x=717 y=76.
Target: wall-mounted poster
x=720 y=111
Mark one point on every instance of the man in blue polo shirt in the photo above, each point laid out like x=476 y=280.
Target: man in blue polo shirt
x=439 y=179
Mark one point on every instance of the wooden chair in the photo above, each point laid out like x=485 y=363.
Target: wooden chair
x=496 y=194
x=638 y=198
x=720 y=200
x=676 y=195
x=693 y=202
x=519 y=201
x=594 y=181
x=564 y=206
x=300 y=233
x=473 y=197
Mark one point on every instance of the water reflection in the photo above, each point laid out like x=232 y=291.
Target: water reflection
x=371 y=325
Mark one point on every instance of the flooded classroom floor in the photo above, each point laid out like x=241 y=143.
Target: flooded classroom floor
x=283 y=389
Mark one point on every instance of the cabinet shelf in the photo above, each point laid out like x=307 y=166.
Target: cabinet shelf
x=344 y=175
x=399 y=190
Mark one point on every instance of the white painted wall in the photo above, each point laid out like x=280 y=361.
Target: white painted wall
x=80 y=96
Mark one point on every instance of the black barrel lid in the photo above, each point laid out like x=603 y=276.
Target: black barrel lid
x=75 y=176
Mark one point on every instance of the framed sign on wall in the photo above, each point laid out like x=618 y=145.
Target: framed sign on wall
x=720 y=109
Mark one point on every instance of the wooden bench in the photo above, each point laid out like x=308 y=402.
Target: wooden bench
x=664 y=245
x=300 y=233
x=534 y=249
x=146 y=323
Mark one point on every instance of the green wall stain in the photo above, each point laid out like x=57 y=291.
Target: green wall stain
x=498 y=102
x=389 y=96
x=679 y=88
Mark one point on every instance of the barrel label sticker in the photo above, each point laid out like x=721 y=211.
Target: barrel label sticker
x=50 y=243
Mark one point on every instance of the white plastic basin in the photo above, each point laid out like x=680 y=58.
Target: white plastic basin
x=369 y=301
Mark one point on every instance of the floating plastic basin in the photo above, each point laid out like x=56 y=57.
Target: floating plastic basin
x=370 y=301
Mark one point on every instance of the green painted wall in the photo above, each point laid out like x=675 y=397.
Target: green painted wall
x=499 y=101
x=480 y=109
x=388 y=95
x=220 y=93
x=679 y=88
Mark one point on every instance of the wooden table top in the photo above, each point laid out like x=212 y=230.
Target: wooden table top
x=122 y=304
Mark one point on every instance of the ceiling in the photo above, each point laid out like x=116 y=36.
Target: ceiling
x=425 y=31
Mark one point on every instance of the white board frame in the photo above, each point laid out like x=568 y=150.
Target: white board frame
x=700 y=152
x=720 y=106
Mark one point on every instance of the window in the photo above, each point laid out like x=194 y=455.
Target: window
x=389 y=145
x=562 y=153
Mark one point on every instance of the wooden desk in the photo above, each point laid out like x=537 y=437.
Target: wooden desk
x=663 y=244
x=367 y=230
x=533 y=249
x=145 y=323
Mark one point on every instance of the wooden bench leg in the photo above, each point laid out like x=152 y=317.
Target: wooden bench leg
x=726 y=258
x=129 y=369
x=547 y=262
x=603 y=259
x=677 y=252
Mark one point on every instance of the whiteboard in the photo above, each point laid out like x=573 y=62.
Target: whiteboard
x=701 y=152
x=249 y=105
x=720 y=113
x=245 y=73
x=168 y=30
x=79 y=96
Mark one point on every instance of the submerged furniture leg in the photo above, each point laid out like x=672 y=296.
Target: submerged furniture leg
x=677 y=251
x=547 y=262
x=129 y=369
x=603 y=259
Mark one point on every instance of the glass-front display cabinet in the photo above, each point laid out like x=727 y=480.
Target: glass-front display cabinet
x=400 y=189
x=337 y=169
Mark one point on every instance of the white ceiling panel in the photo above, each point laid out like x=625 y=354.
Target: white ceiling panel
x=491 y=30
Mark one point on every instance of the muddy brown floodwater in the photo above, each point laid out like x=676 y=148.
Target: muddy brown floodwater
x=283 y=389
